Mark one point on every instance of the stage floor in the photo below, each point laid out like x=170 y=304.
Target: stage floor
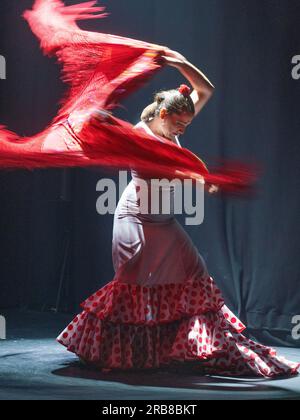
x=34 y=367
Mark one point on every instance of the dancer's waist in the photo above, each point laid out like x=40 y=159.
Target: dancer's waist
x=146 y=204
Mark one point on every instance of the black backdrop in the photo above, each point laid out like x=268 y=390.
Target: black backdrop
x=251 y=246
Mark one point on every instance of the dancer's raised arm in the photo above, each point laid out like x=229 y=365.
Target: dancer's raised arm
x=203 y=88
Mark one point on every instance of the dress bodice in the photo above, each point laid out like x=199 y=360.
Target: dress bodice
x=148 y=199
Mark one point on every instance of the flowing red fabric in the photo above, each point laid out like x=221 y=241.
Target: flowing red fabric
x=101 y=70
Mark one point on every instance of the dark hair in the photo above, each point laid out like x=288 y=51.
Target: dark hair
x=174 y=102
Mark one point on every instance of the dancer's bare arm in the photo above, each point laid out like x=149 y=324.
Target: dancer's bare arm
x=203 y=88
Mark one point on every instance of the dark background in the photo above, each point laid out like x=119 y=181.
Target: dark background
x=251 y=246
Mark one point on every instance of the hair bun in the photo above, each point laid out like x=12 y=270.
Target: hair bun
x=184 y=90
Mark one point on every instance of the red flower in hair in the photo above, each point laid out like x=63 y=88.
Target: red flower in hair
x=184 y=90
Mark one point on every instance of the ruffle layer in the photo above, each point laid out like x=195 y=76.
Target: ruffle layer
x=123 y=303
x=208 y=340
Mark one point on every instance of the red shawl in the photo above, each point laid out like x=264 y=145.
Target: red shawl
x=101 y=70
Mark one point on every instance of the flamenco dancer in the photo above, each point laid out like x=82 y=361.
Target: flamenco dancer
x=162 y=307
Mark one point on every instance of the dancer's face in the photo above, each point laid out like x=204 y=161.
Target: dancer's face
x=172 y=125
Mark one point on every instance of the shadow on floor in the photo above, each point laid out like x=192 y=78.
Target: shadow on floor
x=174 y=378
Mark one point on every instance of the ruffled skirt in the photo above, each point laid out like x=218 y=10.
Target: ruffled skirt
x=133 y=327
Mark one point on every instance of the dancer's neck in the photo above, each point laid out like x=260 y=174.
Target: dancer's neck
x=156 y=130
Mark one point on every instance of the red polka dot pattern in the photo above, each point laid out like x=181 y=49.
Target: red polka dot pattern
x=128 y=326
x=133 y=304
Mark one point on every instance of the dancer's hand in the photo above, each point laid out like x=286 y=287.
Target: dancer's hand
x=213 y=189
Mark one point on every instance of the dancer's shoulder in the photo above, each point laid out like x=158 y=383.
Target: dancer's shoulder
x=140 y=124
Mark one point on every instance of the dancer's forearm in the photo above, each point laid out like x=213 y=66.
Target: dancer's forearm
x=197 y=79
x=203 y=88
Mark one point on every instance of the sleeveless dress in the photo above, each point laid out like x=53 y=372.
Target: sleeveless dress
x=162 y=307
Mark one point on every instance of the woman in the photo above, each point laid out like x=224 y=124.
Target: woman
x=162 y=306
